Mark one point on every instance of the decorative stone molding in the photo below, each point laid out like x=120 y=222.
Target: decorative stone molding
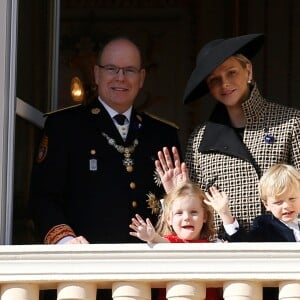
x=131 y=270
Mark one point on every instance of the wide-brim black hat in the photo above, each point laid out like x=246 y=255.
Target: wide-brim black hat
x=214 y=54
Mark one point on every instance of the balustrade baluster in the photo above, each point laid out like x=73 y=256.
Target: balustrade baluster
x=19 y=291
x=131 y=291
x=185 y=290
x=76 y=291
x=242 y=291
x=289 y=290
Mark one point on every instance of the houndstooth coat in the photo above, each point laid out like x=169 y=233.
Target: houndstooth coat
x=217 y=155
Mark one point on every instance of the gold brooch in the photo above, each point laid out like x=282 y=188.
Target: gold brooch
x=153 y=203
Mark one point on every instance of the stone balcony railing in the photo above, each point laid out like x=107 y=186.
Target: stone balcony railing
x=131 y=270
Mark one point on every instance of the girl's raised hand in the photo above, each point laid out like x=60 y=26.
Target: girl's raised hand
x=171 y=175
x=141 y=229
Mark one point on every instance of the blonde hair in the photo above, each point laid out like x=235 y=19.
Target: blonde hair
x=277 y=180
x=187 y=189
x=242 y=59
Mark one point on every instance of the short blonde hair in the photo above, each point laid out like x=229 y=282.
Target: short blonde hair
x=163 y=227
x=277 y=180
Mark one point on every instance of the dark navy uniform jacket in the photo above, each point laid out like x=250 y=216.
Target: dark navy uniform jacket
x=265 y=228
x=79 y=178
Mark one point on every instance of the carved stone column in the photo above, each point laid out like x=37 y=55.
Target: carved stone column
x=186 y=290
x=19 y=291
x=131 y=291
x=76 y=291
x=289 y=290
x=242 y=291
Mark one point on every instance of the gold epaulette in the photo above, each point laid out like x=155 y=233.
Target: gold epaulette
x=60 y=109
x=162 y=120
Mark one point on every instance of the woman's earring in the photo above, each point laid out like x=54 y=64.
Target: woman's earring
x=249 y=81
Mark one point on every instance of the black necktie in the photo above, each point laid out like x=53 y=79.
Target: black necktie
x=120 y=119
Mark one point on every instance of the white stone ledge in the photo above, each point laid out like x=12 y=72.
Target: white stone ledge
x=104 y=264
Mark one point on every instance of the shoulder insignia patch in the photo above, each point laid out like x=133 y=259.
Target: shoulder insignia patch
x=61 y=109
x=162 y=120
x=43 y=149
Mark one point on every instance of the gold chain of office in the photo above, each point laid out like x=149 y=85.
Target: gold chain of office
x=126 y=151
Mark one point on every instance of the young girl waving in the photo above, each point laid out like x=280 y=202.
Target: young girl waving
x=185 y=218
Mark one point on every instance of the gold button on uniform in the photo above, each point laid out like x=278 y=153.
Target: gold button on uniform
x=129 y=169
x=132 y=185
x=134 y=204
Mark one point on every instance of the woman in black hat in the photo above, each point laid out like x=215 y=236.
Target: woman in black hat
x=245 y=135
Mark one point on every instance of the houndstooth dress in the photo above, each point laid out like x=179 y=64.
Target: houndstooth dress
x=217 y=155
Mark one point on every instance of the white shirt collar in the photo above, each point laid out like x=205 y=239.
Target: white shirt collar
x=112 y=112
x=294 y=225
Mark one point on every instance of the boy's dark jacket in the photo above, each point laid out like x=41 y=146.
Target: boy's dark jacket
x=265 y=228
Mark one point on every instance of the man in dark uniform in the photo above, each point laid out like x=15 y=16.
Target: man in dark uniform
x=94 y=172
